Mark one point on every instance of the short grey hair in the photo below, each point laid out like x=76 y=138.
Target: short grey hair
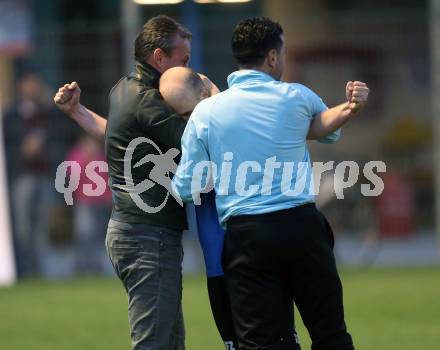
x=158 y=32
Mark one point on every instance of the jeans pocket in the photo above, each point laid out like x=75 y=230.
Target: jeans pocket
x=125 y=244
x=122 y=250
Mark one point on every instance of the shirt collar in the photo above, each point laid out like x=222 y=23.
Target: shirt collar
x=147 y=74
x=248 y=76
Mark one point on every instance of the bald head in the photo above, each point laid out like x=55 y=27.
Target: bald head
x=182 y=89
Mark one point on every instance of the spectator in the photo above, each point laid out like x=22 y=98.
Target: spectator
x=36 y=138
x=90 y=214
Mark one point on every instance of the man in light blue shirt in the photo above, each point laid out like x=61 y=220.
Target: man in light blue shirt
x=249 y=142
x=255 y=109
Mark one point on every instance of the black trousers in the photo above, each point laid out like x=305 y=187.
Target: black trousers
x=221 y=311
x=273 y=258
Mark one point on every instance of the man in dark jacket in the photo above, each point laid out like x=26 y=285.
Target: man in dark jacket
x=145 y=229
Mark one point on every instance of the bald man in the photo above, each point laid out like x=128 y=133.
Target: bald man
x=182 y=89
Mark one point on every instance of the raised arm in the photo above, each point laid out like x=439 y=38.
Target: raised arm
x=330 y=120
x=67 y=99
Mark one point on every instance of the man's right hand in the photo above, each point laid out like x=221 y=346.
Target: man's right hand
x=67 y=98
x=212 y=88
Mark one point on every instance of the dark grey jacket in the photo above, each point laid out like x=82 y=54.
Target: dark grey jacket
x=138 y=110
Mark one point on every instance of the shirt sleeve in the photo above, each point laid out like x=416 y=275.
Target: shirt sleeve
x=161 y=122
x=316 y=106
x=192 y=173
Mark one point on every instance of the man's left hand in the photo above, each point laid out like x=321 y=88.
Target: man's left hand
x=357 y=95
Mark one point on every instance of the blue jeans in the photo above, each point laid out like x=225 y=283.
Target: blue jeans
x=148 y=261
x=33 y=199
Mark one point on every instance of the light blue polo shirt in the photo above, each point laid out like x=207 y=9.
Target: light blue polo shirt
x=253 y=135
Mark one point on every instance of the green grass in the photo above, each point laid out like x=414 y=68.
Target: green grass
x=386 y=309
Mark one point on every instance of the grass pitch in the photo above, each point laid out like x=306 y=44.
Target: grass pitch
x=393 y=309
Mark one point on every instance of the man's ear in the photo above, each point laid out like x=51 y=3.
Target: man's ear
x=272 y=58
x=205 y=92
x=158 y=56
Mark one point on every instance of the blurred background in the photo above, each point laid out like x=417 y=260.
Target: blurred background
x=389 y=44
x=392 y=45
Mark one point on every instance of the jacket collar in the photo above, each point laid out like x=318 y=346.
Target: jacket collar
x=147 y=74
x=245 y=76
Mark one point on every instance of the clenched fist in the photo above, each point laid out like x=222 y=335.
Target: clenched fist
x=67 y=98
x=357 y=95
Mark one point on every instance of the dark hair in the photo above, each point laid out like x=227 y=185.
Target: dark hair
x=158 y=32
x=253 y=38
x=195 y=81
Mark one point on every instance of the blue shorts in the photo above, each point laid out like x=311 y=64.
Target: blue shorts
x=211 y=234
